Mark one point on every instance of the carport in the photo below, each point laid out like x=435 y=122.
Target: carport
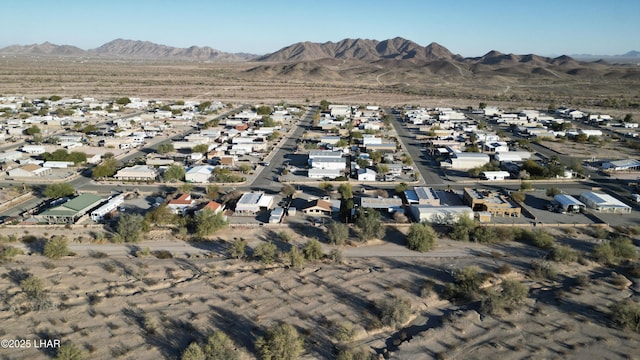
x=568 y=203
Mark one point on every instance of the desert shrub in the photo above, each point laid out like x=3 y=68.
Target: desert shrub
x=163 y=254
x=296 y=257
x=343 y=331
x=512 y=295
x=146 y=251
x=266 y=252
x=623 y=247
x=518 y=196
x=604 y=253
x=361 y=353
x=193 y=352
x=97 y=254
x=542 y=270
x=284 y=236
x=370 y=225
x=237 y=249
x=427 y=288
x=338 y=233
x=504 y=269
x=393 y=312
x=421 y=237
x=486 y=235
x=564 y=254
x=462 y=228
x=466 y=284
x=336 y=256
x=69 y=351
x=149 y=325
x=582 y=280
x=313 y=250
x=280 y=342
x=32 y=287
x=10 y=252
x=538 y=238
x=219 y=346
x=626 y=314
x=599 y=232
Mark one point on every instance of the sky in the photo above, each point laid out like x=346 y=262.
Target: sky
x=465 y=27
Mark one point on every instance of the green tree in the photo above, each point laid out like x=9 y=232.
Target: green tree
x=375 y=156
x=219 y=346
x=401 y=188
x=200 y=148
x=77 y=157
x=266 y=252
x=280 y=342
x=553 y=191
x=131 y=227
x=369 y=224
x=207 y=222
x=165 y=148
x=203 y=106
x=213 y=192
x=107 y=169
x=33 y=130
x=59 y=190
x=362 y=163
x=263 y=110
x=91 y=128
x=628 y=118
x=123 y=101
x=55 y=98
x=288 y=190
x=421 y=237
x=267 y=121
x=623 y=247
x=174 y=173
x=313 y=250
x=161 y=215
x=382 y=169
x=238 y=249
x=56 y=248
x=324 y=105
x=345 y=191
x=244 y=168
x=338 y=233
x=482 y=106
x=185 y=188
x=69 y=351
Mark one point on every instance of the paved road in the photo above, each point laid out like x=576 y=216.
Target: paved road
x=265 y=179
x=428 y=169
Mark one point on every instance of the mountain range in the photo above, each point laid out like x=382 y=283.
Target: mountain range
x=133 y=49
x=394 y=60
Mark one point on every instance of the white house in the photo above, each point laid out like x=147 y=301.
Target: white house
x=315 y=173
x=199 y=174
x=113 y=203
x=329 y=163
x=494 y=175
x=366 y=175
x=251 y=203
x=439 y=214
x=33 y=149
x=137 y=172
x=466 y=161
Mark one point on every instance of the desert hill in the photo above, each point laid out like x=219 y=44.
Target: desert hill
x=128 y=49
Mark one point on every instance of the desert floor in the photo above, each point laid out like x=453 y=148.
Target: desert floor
x=114 y=304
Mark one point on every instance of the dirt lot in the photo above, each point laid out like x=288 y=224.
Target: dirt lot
x=118 y=305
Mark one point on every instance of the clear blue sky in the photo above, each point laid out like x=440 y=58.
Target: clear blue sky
x=466 y=27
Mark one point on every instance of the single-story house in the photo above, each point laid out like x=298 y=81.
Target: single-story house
x=367 y=175
x=324 y=173
x=317 y=207
x=251 y=203
x=199 y=174
x=439 y=214
x=423 y=196
x=214 y=206
x=137 y=172
x=70 y=211
x=379 y=203
x=181 y=204
x=29 y=170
